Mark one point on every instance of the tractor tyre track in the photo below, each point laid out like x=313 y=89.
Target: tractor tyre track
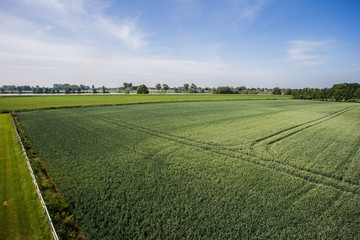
x=308 y=175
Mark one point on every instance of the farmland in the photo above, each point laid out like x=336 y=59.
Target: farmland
x=210 y=169
x=27 y=103
x=21 y=215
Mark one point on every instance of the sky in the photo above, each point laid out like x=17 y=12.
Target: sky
x=252 y=43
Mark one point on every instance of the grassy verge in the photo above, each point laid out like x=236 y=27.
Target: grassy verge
x=21 y=215
x=59 y=210
x=26 y=103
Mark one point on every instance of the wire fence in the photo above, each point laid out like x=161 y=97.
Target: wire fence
x=35 y=182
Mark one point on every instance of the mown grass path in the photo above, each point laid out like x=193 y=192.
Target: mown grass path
x=21 y=215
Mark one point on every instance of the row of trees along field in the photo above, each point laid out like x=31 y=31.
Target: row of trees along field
x=129 y=87
x=347 y=92
x=339 y=92
x=244 y=90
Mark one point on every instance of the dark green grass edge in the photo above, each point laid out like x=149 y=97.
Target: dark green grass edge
x=62 y=217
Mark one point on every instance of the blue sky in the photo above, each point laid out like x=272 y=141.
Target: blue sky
x=252 y=43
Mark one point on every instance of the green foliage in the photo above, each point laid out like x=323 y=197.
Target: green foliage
x=127 y=90
x=142 y=89
x=186 y=87
x=209 y=170
x=288 y=91
x=158 y=86
x=276 y=91
x=225 y=90
x=127 y=85
x=192 y=89
x=346 y=92
x=165 y=87
x=19 y=89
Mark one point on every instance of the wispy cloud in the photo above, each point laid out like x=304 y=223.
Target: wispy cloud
x=128 y=32
x=80 y=19
x=250 y=9
x=54 y=4
x=310 y=53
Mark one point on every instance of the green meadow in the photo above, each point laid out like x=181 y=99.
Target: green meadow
x=203 y=169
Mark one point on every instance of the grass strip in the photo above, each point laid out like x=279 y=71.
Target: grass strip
x=21 y=215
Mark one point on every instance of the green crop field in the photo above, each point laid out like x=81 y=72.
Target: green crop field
x=26 y=103
x=21 y=215
x=206 y=170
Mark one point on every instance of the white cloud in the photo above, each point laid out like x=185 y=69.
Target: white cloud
x=78 y=20
x=127 y=31
x=309 y=53
x=54 y=4
x=250 y=9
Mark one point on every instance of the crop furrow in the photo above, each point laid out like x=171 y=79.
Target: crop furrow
x=317 y=123
x=321 y=119
x=309 y=175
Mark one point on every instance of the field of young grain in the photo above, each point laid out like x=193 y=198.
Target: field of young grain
x=28 y=103
x=210 y=170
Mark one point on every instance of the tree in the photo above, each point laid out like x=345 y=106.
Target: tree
x=67 y=90
x=186 y=87
x=126 y=85
x=142 y=89
x=94 y=90
x=288 y=91
x=26 y=88
x=158 y=86
x=276 y=91
x=357 y=93
x=165 y=87
x=224 y=90
x=2 y=90
x=19 y=89
x=127 y=90
x=74 y=87
x=39 y=89
x=103 y=89
x=193 y=88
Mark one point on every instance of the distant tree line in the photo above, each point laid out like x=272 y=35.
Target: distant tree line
x=244 y=90
x=343 y=92
x=339 y=92
x=57 y=88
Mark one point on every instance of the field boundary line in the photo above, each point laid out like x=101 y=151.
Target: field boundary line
x=53 y=231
